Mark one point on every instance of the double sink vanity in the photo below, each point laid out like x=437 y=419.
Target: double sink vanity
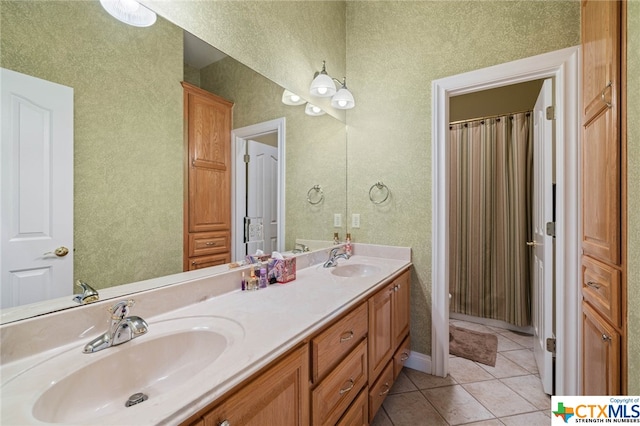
x=323 y=349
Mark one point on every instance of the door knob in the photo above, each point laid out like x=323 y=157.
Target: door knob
x=60 y=251
x=532 y=243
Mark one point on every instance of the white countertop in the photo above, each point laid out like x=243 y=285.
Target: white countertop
x=272 y=321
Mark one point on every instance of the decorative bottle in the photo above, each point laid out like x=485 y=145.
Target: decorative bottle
x=347 y=247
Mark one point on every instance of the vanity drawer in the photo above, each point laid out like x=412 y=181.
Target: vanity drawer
x=378 y=392
x=329 y=347
x=401 y=356
x=358 y=413
x=202 y=243
x=335 y=393
x=206 y=261
x=601 y=288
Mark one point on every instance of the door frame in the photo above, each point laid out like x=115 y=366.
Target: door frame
x=238 y=179
x=563 y=67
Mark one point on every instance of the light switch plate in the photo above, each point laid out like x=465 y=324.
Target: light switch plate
x=355 y=220
x=337 y=220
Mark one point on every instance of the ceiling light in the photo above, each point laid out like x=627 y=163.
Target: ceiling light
x=130 y=12
x=313 y=110
x=290 y=98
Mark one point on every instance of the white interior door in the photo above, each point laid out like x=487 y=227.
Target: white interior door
x=36 y=239
x=262 y=192
x=542 y=244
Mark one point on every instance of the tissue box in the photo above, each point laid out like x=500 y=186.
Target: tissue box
x=282 y=270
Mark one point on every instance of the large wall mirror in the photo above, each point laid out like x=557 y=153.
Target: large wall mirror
x=128 y=155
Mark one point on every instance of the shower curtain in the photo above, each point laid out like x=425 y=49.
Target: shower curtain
x=490 y=217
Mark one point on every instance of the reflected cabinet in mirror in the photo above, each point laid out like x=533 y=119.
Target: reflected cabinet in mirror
x=128 y=139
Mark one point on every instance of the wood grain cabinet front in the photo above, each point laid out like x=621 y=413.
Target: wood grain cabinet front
x=358 y=413
x=379 y=390
x=600 y=354
x=601 y=288
x=278 y=396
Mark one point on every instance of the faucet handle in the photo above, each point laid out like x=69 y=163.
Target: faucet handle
x=121 y=309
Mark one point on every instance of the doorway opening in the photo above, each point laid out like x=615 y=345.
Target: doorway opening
x=562 y=66
x=258 y=188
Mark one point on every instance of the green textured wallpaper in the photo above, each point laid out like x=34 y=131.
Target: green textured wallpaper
x=315 y=147
x=633 y=177
x=394 y=51
x=127 y=130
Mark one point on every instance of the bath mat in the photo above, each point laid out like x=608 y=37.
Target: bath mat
x=473 y=345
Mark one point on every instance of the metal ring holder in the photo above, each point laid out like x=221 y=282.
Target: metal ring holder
x=315 y=195
x=381 y=188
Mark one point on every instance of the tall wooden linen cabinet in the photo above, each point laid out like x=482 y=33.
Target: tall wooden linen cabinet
x=604 y=204
x=207 y=200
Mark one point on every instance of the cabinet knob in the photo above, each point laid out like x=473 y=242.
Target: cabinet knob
x=350 y=384
x=224 y=423
x=606 y=338
x=404 y=357
x=346 y=336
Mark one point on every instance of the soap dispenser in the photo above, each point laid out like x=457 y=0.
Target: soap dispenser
x=347 y=247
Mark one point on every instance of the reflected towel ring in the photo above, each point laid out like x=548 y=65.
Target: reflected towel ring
x=315 y=197
x=382 y=188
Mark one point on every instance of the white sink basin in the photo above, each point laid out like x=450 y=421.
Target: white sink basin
x=170 y=355
x=355 y=270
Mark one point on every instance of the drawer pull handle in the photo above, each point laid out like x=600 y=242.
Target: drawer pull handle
x=224 y=423
x=386 y=390
x=194 y=263
x=606 y=338
x=210 y=243
x=346 y=336
x=404 y=357
x=350 y=386
x=594 y=285
x=602 y=95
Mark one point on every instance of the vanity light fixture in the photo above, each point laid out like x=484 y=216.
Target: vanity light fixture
x=323 y=85
x=290 y=98
x=130 y=12
x=313 y=110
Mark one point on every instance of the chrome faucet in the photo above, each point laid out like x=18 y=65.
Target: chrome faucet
x=88 y=295
x=334 y=256
x=122 y=328
x=303 y=248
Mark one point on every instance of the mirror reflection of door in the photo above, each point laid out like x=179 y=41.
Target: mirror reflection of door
x=262 y=190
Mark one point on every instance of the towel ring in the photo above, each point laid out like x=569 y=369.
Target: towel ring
x=381 y=188
x=315 y=195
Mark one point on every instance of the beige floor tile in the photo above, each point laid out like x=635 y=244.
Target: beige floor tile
x=381 y=419
x=402 y=384
x=410 y=409
x=504 y=368
x=506 y=344
x=456 y=405
x=530 y=388
x=524 y=358
x=530 y=419
x=524 y=340
x=492 y=422
x=466 y=371
x=499 y=398
x=427 y=381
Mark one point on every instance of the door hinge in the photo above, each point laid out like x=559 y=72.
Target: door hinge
x=551 y=229
x=551 y=113
x=247 y=158
x=551 y=345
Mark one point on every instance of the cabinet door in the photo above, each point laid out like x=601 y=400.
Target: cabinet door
x=601 y=180
x=208 y=127
x=278 y=397
x=380 y=331
x=401 y=308
x=600 y=355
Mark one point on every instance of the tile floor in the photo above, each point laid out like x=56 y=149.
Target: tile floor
x=473 y=394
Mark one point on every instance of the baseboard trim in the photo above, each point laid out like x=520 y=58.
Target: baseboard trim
x=418 y=361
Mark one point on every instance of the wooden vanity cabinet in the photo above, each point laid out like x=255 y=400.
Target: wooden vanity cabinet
x=207 y=204
x=279 y=396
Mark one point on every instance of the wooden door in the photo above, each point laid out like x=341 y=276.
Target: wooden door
x=601 y=181
x=380 y=331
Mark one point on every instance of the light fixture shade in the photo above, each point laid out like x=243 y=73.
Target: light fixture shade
x=290 y=98
x=322 y=86
x=130 y=12
x=313 y=110
x=343 y=99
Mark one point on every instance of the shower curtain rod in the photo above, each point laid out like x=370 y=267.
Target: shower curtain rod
x=468 y=120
